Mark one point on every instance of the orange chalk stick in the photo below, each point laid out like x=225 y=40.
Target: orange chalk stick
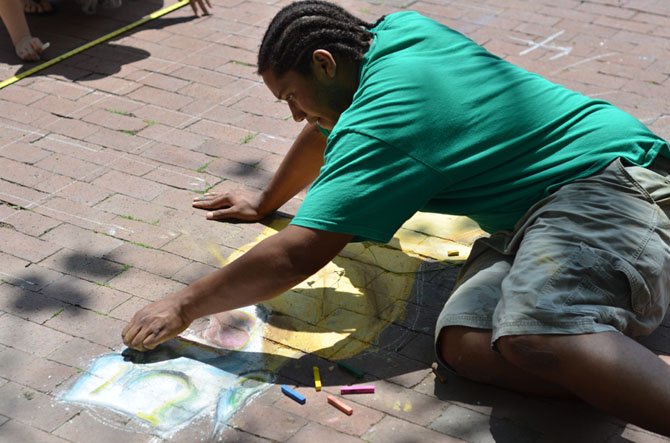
x=340 y=405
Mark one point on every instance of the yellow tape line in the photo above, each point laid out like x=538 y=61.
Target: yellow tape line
x=95 y=42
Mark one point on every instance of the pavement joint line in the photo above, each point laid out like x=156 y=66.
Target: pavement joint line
x=203 y=49
x=42 y=205
x=95 y=42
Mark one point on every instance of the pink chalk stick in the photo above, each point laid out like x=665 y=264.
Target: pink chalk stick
x=360 y=389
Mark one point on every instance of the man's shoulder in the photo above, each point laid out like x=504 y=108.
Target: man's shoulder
x=401 y=18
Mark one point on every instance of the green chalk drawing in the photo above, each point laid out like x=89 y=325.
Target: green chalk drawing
x=186 y=392
x=168 y=388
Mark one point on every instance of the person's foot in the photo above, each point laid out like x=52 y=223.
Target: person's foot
x=37 y=7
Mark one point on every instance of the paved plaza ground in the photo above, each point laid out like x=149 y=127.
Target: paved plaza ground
x=101 y=155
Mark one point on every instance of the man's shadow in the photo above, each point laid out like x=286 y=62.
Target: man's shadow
x=68 y=28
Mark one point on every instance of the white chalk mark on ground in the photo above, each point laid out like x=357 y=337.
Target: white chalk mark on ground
x=581 y=62
x=18 y=278
x=562 y=50
x=56 y=138
x=479 y=8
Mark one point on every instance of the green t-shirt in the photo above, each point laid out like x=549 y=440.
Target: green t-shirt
x=439 y=124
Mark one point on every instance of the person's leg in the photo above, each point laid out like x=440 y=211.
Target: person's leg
x=590 y=272
x=467 y=351
x=463 y=330
x=607 y=370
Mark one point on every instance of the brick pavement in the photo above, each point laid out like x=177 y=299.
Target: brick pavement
x=102 y=153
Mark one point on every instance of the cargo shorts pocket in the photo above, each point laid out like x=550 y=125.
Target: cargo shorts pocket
x=596 y=283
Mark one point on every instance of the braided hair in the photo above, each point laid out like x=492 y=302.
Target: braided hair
x=304 y=26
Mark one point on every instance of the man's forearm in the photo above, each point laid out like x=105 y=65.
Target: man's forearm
x=272 y=267
x=251 y=279
x=299 y=168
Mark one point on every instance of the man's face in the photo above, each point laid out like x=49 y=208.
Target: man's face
x=308 y=97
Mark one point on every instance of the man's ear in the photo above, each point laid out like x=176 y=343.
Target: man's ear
x=324 y=64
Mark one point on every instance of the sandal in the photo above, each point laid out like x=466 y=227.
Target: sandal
x=38 y=7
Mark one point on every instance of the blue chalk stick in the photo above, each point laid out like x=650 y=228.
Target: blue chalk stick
x=293 y=394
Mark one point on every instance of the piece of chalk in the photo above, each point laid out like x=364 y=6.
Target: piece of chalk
x=360 y=389
x=317 y=378
x=293 y=394
x=436 y=370
x=340 y=405
x=349 y=369
x=45 y=45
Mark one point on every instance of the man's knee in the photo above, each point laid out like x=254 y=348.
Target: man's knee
x=461 y=349
x=530 y=352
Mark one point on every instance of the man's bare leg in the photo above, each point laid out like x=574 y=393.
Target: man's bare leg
x=607 y=370
x=468 y=352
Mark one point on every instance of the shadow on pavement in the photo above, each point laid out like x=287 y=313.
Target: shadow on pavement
x=69 y=28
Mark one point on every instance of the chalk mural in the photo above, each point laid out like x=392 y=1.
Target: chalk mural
x=223 y=361
x=179 y=381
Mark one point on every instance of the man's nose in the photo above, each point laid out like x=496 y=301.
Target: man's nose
x=296 y=112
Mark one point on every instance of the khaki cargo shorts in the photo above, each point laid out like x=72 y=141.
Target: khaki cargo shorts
x=592 y=257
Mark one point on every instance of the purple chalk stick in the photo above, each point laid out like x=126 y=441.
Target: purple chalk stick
x=360 y=389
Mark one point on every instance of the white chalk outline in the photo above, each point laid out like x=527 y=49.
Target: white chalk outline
x=563 y=50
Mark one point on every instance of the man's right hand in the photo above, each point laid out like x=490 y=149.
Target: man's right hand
x=155 y=324
x=229 y=206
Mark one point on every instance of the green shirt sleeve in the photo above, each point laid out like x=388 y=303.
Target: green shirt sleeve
x=366 y=188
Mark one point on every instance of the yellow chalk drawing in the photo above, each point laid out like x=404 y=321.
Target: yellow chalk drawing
x=109 y=381
x=340 y=311
x=337 y=313
x=407 y=407
x=184 y=391
x=214 y=250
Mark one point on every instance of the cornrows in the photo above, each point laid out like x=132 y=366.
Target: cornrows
x=301 y=27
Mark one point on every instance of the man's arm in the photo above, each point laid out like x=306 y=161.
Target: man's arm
x=299 y=168
x=272 y=267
